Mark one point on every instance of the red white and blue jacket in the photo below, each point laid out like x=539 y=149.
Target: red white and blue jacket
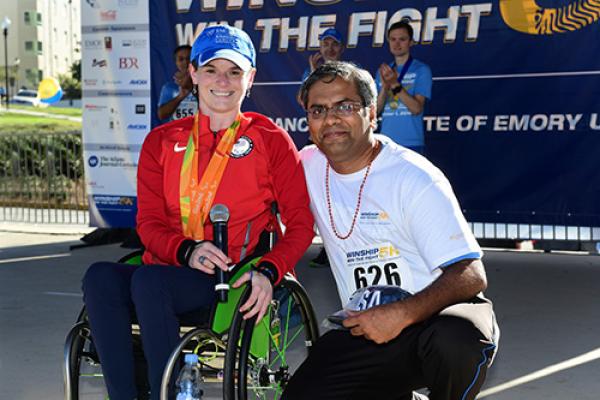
x=264 y=167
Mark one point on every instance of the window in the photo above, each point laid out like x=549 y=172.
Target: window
x=27 y=93
x=29 y=46
x=27 y=17
x=39 y=47
x=40 y=75
x=39 y=18
x=30 y=75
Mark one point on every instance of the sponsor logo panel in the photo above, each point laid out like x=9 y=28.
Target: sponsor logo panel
x=92 y=44
x=108 y=15
x=129 y=63
x=99 y=63
x=134 y=43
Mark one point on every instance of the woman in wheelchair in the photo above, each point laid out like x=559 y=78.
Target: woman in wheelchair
x=218 y=156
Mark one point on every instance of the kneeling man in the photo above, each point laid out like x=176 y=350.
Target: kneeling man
x=387 y=216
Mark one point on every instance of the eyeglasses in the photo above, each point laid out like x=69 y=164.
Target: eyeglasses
x=344 y=109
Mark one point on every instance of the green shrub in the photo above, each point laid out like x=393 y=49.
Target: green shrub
x=42 y=170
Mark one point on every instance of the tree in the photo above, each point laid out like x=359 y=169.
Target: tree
x=71 y=82
x=70 y=86
x=75 y=70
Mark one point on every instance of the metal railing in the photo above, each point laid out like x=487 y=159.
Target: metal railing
x=42 y=178
x=485 y=230
x=538 y=236
x=42 y=181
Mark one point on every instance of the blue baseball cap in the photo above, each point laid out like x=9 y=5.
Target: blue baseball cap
x=223 y=41
x=331 y=33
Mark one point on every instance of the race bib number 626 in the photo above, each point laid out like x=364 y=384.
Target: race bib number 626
x=376 y=274
x=380 y=264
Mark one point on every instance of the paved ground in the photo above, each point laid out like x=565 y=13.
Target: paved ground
x=546 y=304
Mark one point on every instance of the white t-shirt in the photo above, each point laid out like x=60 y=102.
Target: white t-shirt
x=409 y=225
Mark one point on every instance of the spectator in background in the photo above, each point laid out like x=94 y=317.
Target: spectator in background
x=331 y=47
x=177 y=99
x=403 y=86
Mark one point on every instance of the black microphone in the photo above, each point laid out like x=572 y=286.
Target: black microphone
x=219 y=215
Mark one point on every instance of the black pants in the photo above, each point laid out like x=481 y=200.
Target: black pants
x=449 y=354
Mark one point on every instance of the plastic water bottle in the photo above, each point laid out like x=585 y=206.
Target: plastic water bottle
x=189 y=382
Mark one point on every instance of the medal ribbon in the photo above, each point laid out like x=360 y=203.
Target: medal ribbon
x=403 y=72
x=404 y=69
x=196 y=198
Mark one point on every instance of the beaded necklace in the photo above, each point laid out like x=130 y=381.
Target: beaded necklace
x=360 y=192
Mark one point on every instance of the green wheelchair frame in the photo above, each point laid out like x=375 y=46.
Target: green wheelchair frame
x=245 y=360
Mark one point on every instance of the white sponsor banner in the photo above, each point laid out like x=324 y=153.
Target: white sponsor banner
x=116 y=104
x=120 y=164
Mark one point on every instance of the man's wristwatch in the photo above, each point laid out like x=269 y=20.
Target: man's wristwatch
x=397 y=89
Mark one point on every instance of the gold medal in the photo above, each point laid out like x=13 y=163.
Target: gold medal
x=393 y=104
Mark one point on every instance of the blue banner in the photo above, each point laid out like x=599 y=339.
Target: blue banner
x=514 y=118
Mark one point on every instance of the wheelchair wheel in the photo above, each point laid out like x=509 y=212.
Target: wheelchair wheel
x=81 y=370
x=82 y=373
x=211 y=356
x=291 y=331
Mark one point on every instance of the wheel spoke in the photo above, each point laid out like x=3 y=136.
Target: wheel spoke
x=298 y=331
x=273 y=339
x=287 y=325
x=291 y=320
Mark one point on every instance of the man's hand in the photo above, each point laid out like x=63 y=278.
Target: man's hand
x=314 y=61
x=389 y=76
x=260 y=297
x=458 y=282
x=379 y=324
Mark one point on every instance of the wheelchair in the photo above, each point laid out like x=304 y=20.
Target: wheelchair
x=238 y=360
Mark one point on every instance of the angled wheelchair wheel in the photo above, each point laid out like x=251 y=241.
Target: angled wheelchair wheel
x=261 y=359
x=211 y=359
x=81 y=368
x=82 y=373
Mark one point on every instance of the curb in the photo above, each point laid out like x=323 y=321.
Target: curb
x=46 y=229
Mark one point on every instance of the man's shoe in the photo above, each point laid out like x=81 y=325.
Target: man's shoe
x=320 y=261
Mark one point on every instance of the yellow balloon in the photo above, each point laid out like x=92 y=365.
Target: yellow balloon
x=49 y=90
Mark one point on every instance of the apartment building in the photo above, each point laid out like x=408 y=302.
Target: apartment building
x=43 y=40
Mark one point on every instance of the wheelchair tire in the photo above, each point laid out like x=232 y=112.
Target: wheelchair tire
x=211 y=353
x=293 y=330
x=72 y=359
x=81 y=361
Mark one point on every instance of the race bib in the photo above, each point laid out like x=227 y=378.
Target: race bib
x=380 y=264
x=186 y=108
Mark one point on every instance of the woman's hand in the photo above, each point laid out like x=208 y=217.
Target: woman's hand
x=184 y=81
x=260 y=297
x=206 y=257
